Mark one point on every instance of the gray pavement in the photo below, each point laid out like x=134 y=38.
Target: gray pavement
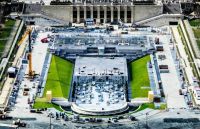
x=170 y=80
x=154 y=120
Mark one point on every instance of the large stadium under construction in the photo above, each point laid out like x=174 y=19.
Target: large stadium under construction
x=100 y=79
x=95 y=64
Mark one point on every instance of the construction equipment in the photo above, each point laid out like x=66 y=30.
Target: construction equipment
x=26 y=91
x=25 y=35
x=31 y=73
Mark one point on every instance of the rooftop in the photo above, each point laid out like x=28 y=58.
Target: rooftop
x=100 y=97
x=88 y=66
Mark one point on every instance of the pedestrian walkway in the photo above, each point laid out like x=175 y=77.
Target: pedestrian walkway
x=170 y=80
x=183 y=56
x=145 y=113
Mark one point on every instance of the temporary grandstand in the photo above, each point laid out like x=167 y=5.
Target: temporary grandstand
x=100 y=42
x=99 y=87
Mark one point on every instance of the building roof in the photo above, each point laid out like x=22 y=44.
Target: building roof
x=100 y=66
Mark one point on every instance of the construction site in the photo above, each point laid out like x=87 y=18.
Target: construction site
x=95 y=71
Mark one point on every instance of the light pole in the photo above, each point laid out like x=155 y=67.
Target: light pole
x=50 y=116
x=138 y=125
x=146 y=120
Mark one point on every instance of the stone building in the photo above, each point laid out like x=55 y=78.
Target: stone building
x=101 y=11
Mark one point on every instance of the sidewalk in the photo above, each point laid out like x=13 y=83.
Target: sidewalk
x=146 y=113
x=183 y=57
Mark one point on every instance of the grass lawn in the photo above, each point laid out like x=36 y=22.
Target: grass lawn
x=195 y=22
x=146 y=105
x=140 y=84
x=58 y=81
x=196 y=33
x=2 y=45
x=6 y=30
x=151 y=105
x=9 y=23
x=41 y=103
x=5 y=33
x=198 y=43
x=196 y=30
x=59 y=77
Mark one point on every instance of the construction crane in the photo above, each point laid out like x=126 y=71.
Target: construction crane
x=24 y=36
x=31 y=73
